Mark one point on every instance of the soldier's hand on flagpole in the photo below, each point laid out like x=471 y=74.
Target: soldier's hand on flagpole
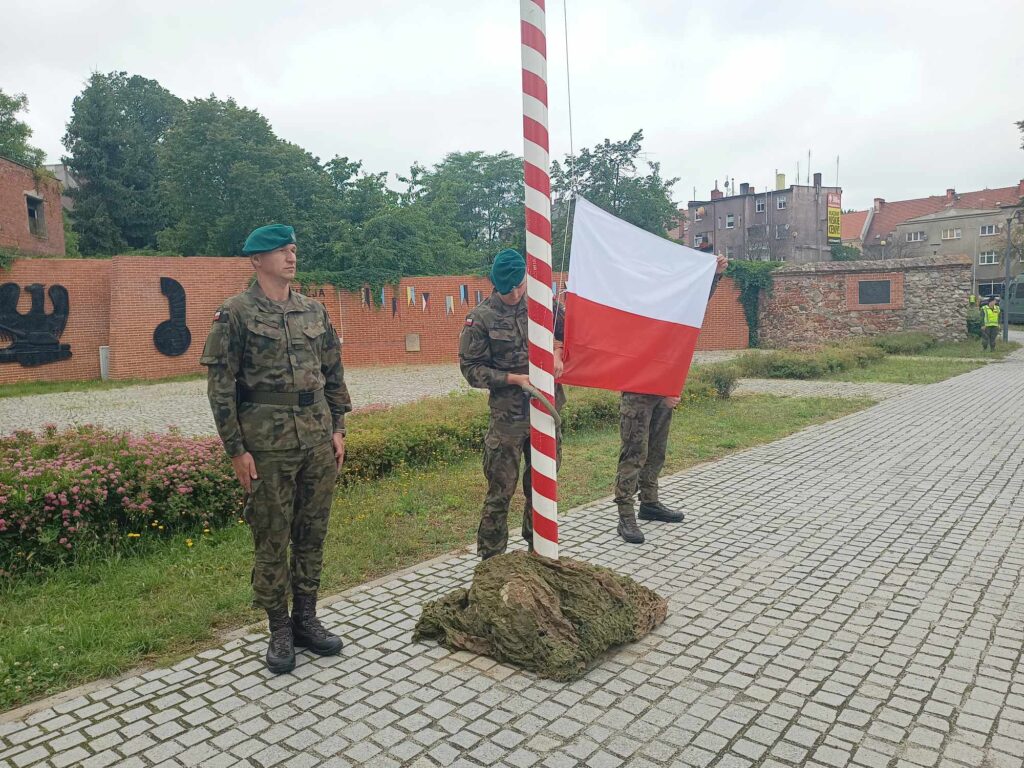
x=245 y=470
x=518 y=379
x=338 y=440
x=722 y=263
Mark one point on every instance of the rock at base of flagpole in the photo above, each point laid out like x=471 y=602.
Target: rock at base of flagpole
x=554 y=618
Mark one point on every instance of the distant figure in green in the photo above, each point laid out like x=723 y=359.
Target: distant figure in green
x=990 y=319
x=278 y=394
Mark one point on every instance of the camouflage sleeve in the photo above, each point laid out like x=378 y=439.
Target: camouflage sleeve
x=475 y=357
x=335 y=389
x=222 y=357
x=559 y=328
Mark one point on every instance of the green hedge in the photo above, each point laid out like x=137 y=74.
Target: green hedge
x=783 y=364
x=906 y=343
x=86 y=490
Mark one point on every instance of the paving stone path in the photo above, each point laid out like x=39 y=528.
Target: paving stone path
x=849 y=595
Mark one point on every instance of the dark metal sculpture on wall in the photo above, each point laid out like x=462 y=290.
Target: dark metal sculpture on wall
x=35 y=335
x=172 y=337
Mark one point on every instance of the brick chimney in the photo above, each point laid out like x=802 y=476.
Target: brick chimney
x=716 y=193
x=817 y=180
x=879 y=202
x=950 y=196
x=1020 y=188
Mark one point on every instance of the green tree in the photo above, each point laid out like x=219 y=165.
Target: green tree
x=608 y=176
x=116 y=125
x=224 y=172
x=14 y=134
x=845 y=253
x=487 y=193
x=1020 y=127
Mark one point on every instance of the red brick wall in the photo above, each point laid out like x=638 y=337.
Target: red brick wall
x=15 y=181
x=88 y=284
x=118 y=302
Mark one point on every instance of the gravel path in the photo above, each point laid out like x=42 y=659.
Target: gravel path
x=183 y=404
x=876 y=390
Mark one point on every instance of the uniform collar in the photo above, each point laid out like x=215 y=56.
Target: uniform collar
x=507 y=309
x=293 y=303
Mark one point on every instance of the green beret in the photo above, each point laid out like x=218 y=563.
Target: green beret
x=268 y=238
x=508 y=270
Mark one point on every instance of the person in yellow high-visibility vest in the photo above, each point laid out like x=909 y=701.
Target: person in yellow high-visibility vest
x=990 y=319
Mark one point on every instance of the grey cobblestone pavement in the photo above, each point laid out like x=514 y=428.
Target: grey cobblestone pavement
x=875 y=390
x=849 y=595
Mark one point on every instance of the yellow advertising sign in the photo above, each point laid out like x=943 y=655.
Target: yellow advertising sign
x=835 y=218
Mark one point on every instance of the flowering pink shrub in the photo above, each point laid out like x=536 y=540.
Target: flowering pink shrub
x=62 y=492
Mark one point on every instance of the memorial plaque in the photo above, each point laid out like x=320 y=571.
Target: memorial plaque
x=874 y=292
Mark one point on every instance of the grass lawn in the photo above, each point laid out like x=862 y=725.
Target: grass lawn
x=25 y=388
x=903 y=370
x=971 y=348
x=104 y=617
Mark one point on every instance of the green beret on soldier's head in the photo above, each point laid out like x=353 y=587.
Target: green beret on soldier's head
x=508 y=270
x=268 y=238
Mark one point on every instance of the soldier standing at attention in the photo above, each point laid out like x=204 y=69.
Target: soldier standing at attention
x=494 y=355
x=278 y=394
x=644 y=422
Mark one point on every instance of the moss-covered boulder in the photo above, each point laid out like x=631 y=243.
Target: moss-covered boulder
x=555 y=618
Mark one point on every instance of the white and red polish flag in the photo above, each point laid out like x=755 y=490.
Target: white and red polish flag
x=634 y=306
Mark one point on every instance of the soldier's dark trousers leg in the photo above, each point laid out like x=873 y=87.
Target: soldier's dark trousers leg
x=269 y=512
x=314 y=492
x=657 y=445
x=503 y=450
x=635 y=414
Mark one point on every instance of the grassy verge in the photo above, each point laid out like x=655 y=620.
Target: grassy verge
x=970 y=348
x=27 y=388
x=903 y=370
x=100 y=618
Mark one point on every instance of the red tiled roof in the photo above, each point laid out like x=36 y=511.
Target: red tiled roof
x=853 y=224
x=884 y=222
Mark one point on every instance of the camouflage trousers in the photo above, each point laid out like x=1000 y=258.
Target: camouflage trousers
x=289 y=504
x=644 y=422
x=506 y=443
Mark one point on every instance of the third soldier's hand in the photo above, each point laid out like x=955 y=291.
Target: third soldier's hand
x=245 y=470
x=338 y=440
x=518 y=379
x=671 y=402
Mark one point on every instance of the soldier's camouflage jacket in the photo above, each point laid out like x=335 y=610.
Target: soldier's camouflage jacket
x=493 y=344
x=262 y=345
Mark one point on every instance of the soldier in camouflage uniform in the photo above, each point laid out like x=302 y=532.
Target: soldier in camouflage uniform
x=278 y=394
x=644 y=422
x=493 y=355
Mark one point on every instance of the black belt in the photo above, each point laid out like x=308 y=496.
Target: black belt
x=264 y=397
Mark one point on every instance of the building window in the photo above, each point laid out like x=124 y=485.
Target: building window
x=990 y=289
x=780 y=231
x=730 y=252
x=730 y=220
x=915 y=237
x=987 y=230
x=780 y=203
x=759 y=206
x=951 y=234
x=698 y=215
x=988 y=257
x=36 y=216
x=874 y=292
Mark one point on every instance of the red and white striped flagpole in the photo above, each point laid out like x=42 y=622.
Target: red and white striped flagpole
x=543 y=449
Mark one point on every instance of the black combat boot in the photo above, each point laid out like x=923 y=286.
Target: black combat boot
x=309 y=632
x=655 y=510
x=628 y=529
x=281 y=650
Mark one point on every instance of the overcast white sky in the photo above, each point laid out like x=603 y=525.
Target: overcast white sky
x=914 y=97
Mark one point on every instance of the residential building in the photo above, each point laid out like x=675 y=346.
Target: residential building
x=783 y=224
x=31 y=220
x=853 y=225
x=880 y=232
x=68 y=181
